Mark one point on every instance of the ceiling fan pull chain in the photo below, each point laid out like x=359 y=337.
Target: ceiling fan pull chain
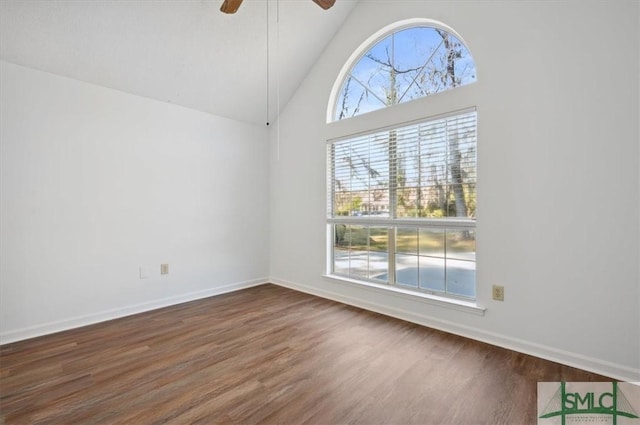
x=278 y=76
x=267 y=3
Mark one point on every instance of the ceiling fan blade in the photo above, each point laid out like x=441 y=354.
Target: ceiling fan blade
x=325 y=4
x=231 y=6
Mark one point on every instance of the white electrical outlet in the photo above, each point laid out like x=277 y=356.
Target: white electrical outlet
x=164 y=269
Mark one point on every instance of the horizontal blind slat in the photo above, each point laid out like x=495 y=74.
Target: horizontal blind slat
x=416 y=159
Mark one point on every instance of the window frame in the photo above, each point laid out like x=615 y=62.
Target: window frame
x=370 y=42
x=438 y=105
x=392 y=223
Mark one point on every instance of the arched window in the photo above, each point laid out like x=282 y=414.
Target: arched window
x=407 y=64
x=402 y=199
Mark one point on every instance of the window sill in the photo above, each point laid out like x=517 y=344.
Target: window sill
x=451 y=303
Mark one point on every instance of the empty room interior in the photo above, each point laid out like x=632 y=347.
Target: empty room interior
x=316 y=211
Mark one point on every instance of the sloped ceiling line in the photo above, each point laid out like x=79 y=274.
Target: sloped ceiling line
x=186 y=53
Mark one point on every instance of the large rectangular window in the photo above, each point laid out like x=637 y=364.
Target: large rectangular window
x=402 y=204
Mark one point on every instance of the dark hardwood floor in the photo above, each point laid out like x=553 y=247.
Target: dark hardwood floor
x=268 y=355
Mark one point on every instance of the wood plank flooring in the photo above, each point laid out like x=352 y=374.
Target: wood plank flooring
x=268 y=355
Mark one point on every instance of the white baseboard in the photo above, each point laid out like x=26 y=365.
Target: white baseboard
x=598 y=366
x=579 y=361
x=78 y=321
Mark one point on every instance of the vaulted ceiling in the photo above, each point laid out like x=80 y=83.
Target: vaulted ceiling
x=184 y=52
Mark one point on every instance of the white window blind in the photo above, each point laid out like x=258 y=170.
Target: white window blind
x=401 y=205
x=421 y=170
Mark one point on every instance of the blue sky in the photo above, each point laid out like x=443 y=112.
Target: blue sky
x=408 y=49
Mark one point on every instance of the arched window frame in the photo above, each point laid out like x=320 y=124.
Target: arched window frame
x=369 y=43
x=434 y=107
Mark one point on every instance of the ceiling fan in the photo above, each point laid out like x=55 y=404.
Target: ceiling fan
x=231 y=6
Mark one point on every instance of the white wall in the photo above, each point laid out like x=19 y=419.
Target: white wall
x=558 y=191
x=96 y=183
